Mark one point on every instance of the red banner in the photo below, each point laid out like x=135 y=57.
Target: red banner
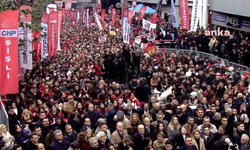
x=184 y=14
x=9 y=52
x=37 y=44
x=52 y=33
x=102 y=18
x=151 y=48
x=59 y=19
x=130 y=16
x=113 y=16
x=142 y=12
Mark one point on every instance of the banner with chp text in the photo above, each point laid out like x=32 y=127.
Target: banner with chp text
x=142 y=12
x=125 y=26
x=194 y=17
x=9 y=52
x=52 y=33
x=185 y=24
x=37 y=44
x=59 y=28
x=99 y=25
x=113 y=17
x=174 y=16
x=103 y=18
x=87 y=18
x=44 y=40
x=25 y=35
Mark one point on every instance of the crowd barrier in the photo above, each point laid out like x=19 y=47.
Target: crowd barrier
x=204 y=55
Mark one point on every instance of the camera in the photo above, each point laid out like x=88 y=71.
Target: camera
x=230 y=144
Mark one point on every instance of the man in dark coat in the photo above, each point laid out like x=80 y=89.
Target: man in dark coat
x=188 y=144
x=220 y=144
x=32 y=143
x=143 y=91
x=139 y=138
x=92 y=114
x=70 y=135
x=58 y=143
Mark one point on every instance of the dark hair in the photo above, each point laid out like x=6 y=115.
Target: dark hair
x=75 y=145
x=33 y=134
x=239 y=123
x=168 y=142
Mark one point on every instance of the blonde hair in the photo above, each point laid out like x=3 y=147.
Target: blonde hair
x=172 y=126
x=25 y=118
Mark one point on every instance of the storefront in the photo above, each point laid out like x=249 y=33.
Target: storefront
x=233 y=23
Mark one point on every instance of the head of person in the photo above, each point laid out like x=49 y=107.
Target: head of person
x=119 y=127
x=240 y=127
x=200 y=113
x=146 y=121
x=168 y=145
x=93 y=142
x=160 y=137
x=157 y=106
x=159 y=117
x=38 y=130
x=34 y=138
x=91 y=107
x=190 y=120
x=74 y=146
x=40 y=146
x=196 y=134
x=206 y=130
x=101 y=136
x=188 y=141
x=206 y=121
x=68 y=129
x=224 y=121
x=45 y=122
x=87 y=122
x=222 y=130
x=58 y=135
x=127 y=140
x=141 y=129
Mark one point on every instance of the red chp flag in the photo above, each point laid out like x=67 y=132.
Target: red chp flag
x=103 y=18
x=113 y=16
x=9 y=52
x=52 y=33
x=142 y=12
x=37 y=44
x=184 y=14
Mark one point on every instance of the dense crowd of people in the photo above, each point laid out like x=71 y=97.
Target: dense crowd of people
x=80 y=99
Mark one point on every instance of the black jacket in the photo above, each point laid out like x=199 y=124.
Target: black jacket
x=142 y=92
x=70 y=138
x=186 y=148
x=139 y=141
x=93 y=116
x=55 y=145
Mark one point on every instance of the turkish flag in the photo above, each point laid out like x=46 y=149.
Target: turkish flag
x=52 y=33
x=9 y=52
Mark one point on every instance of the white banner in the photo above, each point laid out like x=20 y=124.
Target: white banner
x=77 y=16
x=126 y=30
x=87 y=18
x=99 y=25
x=174 y=17
x=25 y=50
x=146 y=24
x=44 y=41
x=194 y=18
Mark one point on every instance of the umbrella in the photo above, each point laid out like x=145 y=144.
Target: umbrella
x=149 y=10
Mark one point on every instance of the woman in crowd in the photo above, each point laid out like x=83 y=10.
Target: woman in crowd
x=102 y=139
x=173 y=128
x=179 y=139
x=26 y=117
x=160 y=129
x=7 y=137
x=21 y=136
x=197 y=140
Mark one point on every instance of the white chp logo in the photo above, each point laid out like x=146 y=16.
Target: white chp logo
x=7 y=42
x=52 y=21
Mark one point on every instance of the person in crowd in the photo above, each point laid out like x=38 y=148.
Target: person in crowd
x=118 y=135
x=208 y=137
x=40 y=146
x=173 y=128
x=70 y=135
x=74 y=146
x=158 y=144
x=33 y=142
x=58 y=143
x=94 y=145
x=188 y=144
x=197 y=140
x=102 y=139
x=206 y=123
x=190 y=126
x=21 y=136
x=7 y=137
x=139 y=138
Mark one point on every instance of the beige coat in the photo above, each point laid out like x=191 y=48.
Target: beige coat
x=202 y=144
x=158 y=146
x=115 y=138
x=69 y=106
